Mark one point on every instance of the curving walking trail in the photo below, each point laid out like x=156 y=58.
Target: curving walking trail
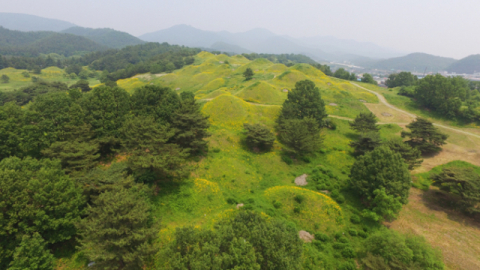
x=384 y=101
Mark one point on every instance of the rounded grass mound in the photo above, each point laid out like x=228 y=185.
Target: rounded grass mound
x=262 y=92
x=227 y=111
x=130 y=84
x=308 y=70
x=312 y=211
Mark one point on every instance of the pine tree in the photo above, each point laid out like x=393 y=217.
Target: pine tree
x=248 y=74
x=411 y=155
x=300 y=136
x=190 y=125
x=464 y=182
x=78 y=152
x=424 y=136
x=150 y=152
x=303 y=101
x=365 y=122
x=258 y=136
x=118 y=232
x=32 y=254
x=367 y=142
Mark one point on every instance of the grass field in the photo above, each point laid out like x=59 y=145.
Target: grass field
x=18 y=80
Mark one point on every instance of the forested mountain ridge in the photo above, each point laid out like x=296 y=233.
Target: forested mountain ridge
x=19 y=43
x=26 y=22
x=105 y=36
x=468 y=65
x=414 y=62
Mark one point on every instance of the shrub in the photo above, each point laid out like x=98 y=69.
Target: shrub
x=277 y=205
x=232 y=201
x=287 y=159
x=319 y=245
x=352 y=232
x=322 y=237
x=299 y=198
x=348 y=253
x=355 y=219
x=362 y=234
x=296 y=210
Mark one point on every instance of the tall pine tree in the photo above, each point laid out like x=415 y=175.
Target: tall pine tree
x=190 y=125
x=118 y=232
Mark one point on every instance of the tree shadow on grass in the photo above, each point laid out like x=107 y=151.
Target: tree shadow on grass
x=439 y=200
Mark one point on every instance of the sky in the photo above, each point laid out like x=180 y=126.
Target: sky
x=440 y=27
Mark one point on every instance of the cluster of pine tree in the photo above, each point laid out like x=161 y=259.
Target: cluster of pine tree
x=48 y=170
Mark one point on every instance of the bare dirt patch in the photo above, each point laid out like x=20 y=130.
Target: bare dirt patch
x=333 y=104
x=457 y=236
x=306 y=236
x=379 y=109
x=301 y=180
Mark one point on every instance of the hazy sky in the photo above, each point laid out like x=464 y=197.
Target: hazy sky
x=440 y=27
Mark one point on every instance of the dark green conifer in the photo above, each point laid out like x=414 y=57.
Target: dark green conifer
x=147 y=143
x=32 y=254
x=303 y=101
x=424 y=136
x=259 y=137
x=118 y=232
x=190 y=125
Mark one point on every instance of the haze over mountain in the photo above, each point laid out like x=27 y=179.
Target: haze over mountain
x=263 y=41
x=105 y=36
x=25 y=22
x=468 y=65
x=32 y=43
x=413 y=62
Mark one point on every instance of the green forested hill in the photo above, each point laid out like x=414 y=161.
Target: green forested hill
x=469 y=65
x=415 y=62
x=105 y=36
x=33 y=43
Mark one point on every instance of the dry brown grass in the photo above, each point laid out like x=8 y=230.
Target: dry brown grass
x=396 y=117
x=457 y=236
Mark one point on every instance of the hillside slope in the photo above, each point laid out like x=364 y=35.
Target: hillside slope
x=468 y=65
x=105 y=36
x=32 y=43
x=25 y=22
x=217 y=75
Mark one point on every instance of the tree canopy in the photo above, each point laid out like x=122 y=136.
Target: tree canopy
x=248 y=241
x=383 y=173
x=303 y=101
x=401 y=79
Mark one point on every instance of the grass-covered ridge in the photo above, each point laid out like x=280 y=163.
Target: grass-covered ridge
x=213 y=75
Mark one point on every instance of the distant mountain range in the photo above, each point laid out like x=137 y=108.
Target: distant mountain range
x=25 y=22
x=41 y=35
x=105 y=36
x=263 y=41
x=413 y=62
x=468 y=65
x=20 y=43
x=43 y=27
